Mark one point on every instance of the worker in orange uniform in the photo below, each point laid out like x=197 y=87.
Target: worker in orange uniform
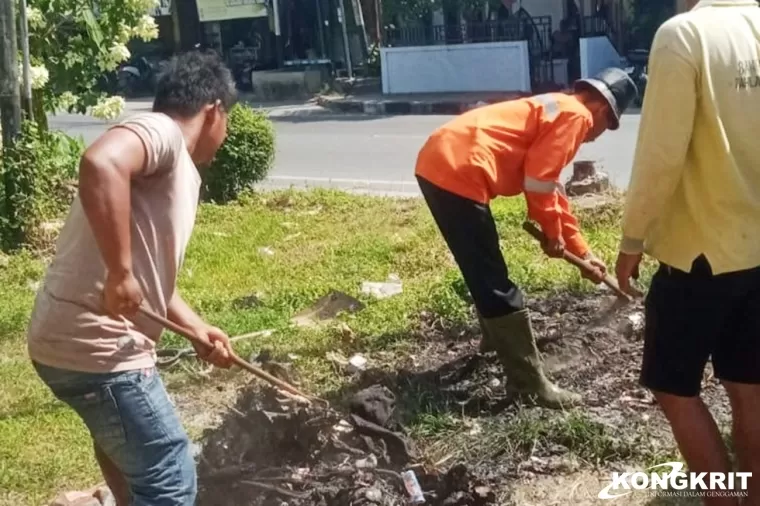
x=504 y=149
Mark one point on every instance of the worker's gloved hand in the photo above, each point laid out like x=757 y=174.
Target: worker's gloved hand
x=599 y=271
x=221 y=353
x=554 y=247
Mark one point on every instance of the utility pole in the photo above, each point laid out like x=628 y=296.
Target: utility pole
x=10 y=110
x=176 y=25
x=27 y=63
x=346 y=47
x=10 y=96
x=356 y=6
x=277 y=33
x=321 y=24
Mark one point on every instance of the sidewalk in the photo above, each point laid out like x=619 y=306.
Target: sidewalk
x=418 y=103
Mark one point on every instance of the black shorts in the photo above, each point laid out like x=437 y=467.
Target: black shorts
x=695 y=316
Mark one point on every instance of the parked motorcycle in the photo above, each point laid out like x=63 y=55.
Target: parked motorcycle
x=638 y=60
x=137 y=77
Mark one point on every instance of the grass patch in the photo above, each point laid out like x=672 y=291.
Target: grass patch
x=322 y=240
x=514 y=437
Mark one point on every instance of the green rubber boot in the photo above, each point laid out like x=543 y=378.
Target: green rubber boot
x=512 y=338
x=486 y=341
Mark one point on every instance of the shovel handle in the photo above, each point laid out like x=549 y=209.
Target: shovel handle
x=577 y=261
x=190 y=336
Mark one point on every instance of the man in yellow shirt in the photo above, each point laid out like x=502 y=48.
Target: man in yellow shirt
x=694 y=205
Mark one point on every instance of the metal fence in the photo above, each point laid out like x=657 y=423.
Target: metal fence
x=594 y=26
x=538 y=31
x=462 y=33
x=535 y=30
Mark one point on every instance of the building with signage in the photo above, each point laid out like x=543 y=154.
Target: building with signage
x=266 y=34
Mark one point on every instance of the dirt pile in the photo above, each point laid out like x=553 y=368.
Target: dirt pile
x=270 y=451
x=472 y=441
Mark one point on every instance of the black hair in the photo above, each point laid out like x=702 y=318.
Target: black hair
x=191 y=80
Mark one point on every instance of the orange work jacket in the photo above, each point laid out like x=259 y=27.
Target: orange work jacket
x=513 y=147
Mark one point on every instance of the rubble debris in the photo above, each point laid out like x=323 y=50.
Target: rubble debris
x=373 y=495
x=391 y=287
x=633 y=325
x=413 y=487
x=266 y=453
x=366 y=463
x=357 y=363
x=586 y=179
x=592 y=201
x=337 y=359
x=97 y=496
x=375 y=404
x=104 y=495
x=327 y=308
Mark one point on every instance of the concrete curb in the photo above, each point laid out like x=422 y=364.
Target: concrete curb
x=405 y=189
x=408 y=107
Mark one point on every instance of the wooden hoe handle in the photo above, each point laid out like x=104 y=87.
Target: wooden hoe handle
x=576 y=261
x=244 y=364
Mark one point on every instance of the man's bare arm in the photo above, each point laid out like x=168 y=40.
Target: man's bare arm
x=183 y=315
x=217 y=350
x=105 y=172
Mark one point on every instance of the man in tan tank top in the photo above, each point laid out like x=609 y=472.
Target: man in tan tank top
x=121 y=247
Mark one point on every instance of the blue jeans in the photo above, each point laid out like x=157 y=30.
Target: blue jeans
x=133 y=422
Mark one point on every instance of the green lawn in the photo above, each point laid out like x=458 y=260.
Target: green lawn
x=321 y=241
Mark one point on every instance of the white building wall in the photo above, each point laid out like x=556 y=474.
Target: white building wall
x=597 y=53
x=492 y=66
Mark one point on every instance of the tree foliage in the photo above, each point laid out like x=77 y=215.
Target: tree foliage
x=245 y=157
x=73 y=45
x=646 y=16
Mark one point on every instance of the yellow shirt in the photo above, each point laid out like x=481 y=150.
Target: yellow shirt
x=695 y=185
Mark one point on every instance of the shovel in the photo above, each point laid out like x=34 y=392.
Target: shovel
x=622 y=297
x=243 y=364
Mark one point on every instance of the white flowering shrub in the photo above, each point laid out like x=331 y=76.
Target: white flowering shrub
x=146 y=28
x=39 y=76
x=35 y=18
x=108 y=108
x=73 y=45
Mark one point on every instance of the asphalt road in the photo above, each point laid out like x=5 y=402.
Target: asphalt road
x=374 y=153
